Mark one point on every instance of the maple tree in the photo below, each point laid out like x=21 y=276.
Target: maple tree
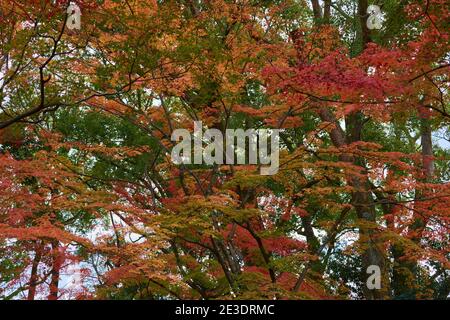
x=87 y=183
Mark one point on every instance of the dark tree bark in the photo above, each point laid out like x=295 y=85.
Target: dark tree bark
x=362 y=199
x=34 y=270
x=405 y=270
x=55 y=273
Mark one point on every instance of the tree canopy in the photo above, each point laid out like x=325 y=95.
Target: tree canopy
x=93 y=207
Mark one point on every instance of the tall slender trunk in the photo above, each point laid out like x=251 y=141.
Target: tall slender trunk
x=34 y=271
x=405 y=271
x=372 y=252
x=55 y=273
x=362 y=199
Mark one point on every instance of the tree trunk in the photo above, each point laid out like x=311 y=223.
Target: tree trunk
x=405 y=271
x=56 y=267
x=34 y=271
x=372 y=254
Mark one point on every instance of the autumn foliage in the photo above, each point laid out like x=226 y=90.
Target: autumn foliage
x=92 y=207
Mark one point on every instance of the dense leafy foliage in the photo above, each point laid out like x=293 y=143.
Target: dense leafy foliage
x=92 y=207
